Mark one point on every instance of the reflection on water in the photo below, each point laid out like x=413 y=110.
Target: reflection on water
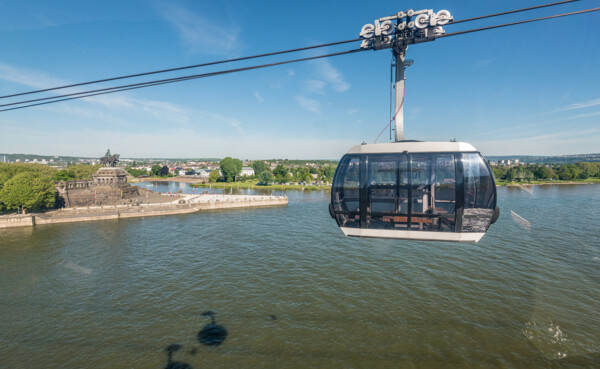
x=291 y=291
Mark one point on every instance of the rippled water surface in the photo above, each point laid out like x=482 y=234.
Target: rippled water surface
x=293 y=292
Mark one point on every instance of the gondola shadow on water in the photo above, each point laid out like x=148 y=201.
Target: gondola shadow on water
x=212 y=334
x=175 y=364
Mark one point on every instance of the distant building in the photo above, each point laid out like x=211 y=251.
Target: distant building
x=247 y=171
x=203 y=173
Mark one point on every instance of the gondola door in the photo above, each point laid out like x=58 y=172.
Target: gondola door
x=387 y=192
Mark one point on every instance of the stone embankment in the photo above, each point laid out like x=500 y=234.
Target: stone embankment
x=180 y=205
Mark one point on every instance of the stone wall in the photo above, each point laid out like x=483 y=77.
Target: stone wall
x=109 y=187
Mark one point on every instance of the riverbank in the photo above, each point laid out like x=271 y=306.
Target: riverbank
x=255 y=185
x=249 y=185
x=179 y=205
x=544 y=183
x=279 y=187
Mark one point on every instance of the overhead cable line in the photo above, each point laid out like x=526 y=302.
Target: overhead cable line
x=80 y=95
x=520 y=22
x=103 y=91
x=182 y=68
x=511 y=12
x=260 y=55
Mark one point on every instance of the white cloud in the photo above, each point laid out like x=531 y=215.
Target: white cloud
x=330 y=75
x=311 y=105
x=258 y=97
x=217 y=118
x=578 y=116
x=33 y=79
x=582 y=105
x=352 y=111
x=557 y=143
x=314 y=86
x=483 y=62
x=200 y=34
x=181 y=142
x=114 y=109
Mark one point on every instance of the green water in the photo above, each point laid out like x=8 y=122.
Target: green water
x=293 y=292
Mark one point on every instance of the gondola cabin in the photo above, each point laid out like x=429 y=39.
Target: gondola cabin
x=442 y=191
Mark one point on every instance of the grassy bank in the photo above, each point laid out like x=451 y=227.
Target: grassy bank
x=255 y=185
x=555 y=182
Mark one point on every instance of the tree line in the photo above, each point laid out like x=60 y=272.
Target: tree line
x=231 y=169
x=32 y=186
x=540 y=172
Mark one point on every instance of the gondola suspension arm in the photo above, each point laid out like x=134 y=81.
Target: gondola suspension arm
x=396 y=32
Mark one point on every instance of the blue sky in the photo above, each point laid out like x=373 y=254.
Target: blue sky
x=530 y=89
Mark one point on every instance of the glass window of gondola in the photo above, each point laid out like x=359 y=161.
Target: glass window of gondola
x=346 y=192
x=480 y=193
x=416 y=192
x=433 y=192
x=387 y=192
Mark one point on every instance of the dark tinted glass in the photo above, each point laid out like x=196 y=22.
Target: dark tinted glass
x=433 y=192
x=387 y=197
x=345 y=192
x=480 y=193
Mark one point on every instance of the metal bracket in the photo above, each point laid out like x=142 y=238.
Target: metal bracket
x=397 y=32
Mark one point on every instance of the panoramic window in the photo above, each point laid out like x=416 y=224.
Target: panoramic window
x=480 y=194
x=346 y=192
x=387 y=192
x=433 y=192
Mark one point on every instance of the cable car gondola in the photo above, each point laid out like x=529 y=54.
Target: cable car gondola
x=441 y=191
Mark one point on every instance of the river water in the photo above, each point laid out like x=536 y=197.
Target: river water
x=293 y=292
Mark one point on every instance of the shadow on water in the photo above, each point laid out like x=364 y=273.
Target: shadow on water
x=175 y=364
x=212 y=334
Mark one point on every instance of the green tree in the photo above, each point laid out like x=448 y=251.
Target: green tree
x=303 y=175
x=64 y=175
x=231 y=168
x=136 y=172
x=280 y=172
x=590 y=169
x=568 y=172
x=155 y=170
x=544 y=172
x=511 y=174
x=266 y=177
x=259 y=167
x=214 y=176
x=27 y=190
x=164 y=171
x=327 y=172
x=83 y=171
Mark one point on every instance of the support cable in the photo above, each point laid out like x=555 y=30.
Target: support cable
x=182 y=68
x=103 y=91
x=390 y=123
x=520 y=22
x=511 y=12
x=185 y=78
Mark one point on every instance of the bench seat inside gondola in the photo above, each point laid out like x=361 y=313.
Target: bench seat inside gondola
x=396 y=219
